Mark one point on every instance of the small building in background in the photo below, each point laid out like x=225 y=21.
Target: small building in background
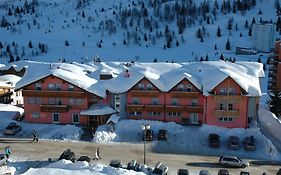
x=263 y=36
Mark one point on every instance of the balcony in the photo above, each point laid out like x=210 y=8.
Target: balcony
x=227 y=113
x=133 y=107
x=154 y=108
x=170 y=108
x=144 y=93
x=194 y=109
x=46 y=93
x=184 y=94
x=232 y=98
x=54 y=108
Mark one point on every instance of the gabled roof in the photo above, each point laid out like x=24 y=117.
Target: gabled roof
x=225 y=80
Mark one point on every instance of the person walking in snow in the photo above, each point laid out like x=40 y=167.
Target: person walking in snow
x=97 y=154
x=7 y=151
x=34 y=135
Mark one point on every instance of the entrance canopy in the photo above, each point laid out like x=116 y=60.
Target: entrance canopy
x=98 y=109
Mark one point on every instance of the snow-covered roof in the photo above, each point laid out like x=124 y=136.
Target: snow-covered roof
x=205 y=75
x=98 y=109
x=9 y=80
x=113 y=118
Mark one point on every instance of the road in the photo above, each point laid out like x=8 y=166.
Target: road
x=24 y=149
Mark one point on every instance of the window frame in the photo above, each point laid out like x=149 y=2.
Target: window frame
x=78 y=119
x=53 y=117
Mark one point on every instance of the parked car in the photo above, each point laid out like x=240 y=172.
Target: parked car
x=233 y=142
x=160 y=169
x=68 y=155
x=132 y=165
x=84 y=158
x=116 y=163
x=183 y=172
x=223 y=172
x=244 y=173
x=249 y=143
x=12 y=129
x=149 y=135
x=232 y=161
x=162 y=134
x=3 y=159
x=214 y=140
x=204 y=172
x=279 y=172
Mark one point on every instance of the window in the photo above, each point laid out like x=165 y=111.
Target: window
x=78 y=101
x=35 y=114
x=174 y=114
x=52 y=101
x=38 y=86
x=149 y=86
x=141 y=86
x=75 y=118
x=180 y=87
x=222 y=91
x=155 y=101
x=175 y=101
x=189 y=88
x=58 y=101
x=31 y=100
x=194 y=117
x=70 y=87
x=230 y=106
x=194 y=102
x=51 y=86
x=39 y=100
x=71 y=101
x=58 y=87
x=155 y=113
x=135 y=101
x=222 y=106
x=56 y=117
x=225 y=119
x=135 y=113
x=231 y=91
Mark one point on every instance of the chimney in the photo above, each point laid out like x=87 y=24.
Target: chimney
x=127 y=74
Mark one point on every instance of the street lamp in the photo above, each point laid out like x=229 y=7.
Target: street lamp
x=144 y=128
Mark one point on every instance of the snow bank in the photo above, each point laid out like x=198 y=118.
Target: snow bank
x=65 y=167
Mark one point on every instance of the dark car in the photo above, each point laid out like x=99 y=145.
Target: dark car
x=233 y=142
x=162 y=134
x=279 y=172
x=12 y=129
x=183 y=172
x=223 y=172
x=249 y=143
x=132 y=165
x=244 y=173
x=160 y=169
x=68 y=155
x=204 y=172
x=149 y=135
x=214 y=140
x=84 y=158
x=116 y=163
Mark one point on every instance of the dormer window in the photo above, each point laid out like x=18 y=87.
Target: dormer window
x=70 y=87
x=140 y=86
x=38 y=86
x=180 y=87
x=231 y=91
x=58 y=87
x=223 y=91
x=149 y=87
x=51 y=86
x=189 y=88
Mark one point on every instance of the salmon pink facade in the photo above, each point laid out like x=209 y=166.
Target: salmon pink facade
x=54 y=100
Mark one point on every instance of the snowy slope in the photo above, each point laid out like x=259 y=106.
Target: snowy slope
x=55 y=22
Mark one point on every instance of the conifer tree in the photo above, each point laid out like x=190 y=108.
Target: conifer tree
x=227 y=45
x=218 y=32
x=274 y=103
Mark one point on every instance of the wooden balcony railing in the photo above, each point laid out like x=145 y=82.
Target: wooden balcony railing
x=132 y=107
x=45 y=93
x=183 y=94
x=194 y=109
x=144 y=93
x=232 y=98
x=154 y=108
x=54 y=108
x=170 y=108
x=227 y=113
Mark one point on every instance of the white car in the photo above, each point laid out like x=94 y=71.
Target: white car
x=3 y=159
x=232 y=161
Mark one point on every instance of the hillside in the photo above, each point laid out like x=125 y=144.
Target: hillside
x=128 y=30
